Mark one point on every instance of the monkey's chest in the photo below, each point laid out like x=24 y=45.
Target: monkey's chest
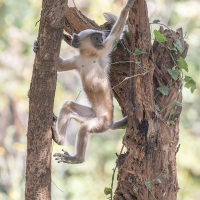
x=94 y=76
x=95 y=82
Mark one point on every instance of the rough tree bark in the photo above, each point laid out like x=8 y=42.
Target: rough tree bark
x=148 y=169
x=41 y=101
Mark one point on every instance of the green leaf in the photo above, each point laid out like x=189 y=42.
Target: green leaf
x=163 y=90
x=190 y=83
x=155 y=21
x=182 y=64
x=171 y=122
x=107 y=191
x=148 y=184
x=178 y=45
x=137 y=52
x=157 y=107
x=174 y=73
x=159 y=36
x=177 y=103
x=158 y=180
x=187 y=78
x=172 y=112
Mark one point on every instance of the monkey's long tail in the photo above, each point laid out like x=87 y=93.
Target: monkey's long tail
x=119 y=124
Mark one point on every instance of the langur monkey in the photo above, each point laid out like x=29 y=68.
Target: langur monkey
x=92 y=63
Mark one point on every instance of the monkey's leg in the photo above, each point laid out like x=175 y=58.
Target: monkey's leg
x=70 y=110
x=95 y=125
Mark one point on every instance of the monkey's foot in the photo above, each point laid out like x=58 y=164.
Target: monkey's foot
x=66 y=158
x=56 y=137
x=54 y=134
x=35 y=46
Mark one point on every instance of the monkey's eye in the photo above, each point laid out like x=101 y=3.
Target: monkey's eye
x=96 y=38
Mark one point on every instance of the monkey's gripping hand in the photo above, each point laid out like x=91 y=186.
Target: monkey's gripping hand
x=35 y=46
x=67 y=158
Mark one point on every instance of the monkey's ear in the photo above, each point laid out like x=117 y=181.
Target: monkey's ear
x=110 y=18
x=75 y=41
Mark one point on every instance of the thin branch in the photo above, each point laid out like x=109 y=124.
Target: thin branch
x=152 y=194
x=78 y=95
x=56 y=186
x=113 y=175
x=124 y=62
x=160 y=24
x=143 y=74
x=74 y=4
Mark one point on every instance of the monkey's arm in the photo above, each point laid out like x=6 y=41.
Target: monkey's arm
x=118 y=26
x=66 y=64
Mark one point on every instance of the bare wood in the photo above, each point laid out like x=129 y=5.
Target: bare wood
x=42 y=91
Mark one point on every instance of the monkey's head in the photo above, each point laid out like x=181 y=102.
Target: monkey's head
x=88 y=40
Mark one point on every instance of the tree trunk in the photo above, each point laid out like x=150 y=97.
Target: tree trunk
x=148 y=169
x=41 y=101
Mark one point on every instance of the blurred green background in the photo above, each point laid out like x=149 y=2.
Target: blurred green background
x=86 y=181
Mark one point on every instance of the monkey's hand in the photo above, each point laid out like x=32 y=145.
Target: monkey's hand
x=67 y=158
x=35 y=46
x=55 y=118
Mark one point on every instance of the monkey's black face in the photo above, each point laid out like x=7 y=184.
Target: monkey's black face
x=87 y=38
x=97 y=39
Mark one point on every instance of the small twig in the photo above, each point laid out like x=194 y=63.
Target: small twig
x=143 y=74
x=56 y=186
x=37 y=22
x=78 y=95
x=124 y=45
x=160 y=24
x=74 y=4
x=113 y=175
x=152 y=194
x=124 y=62
x=155 y=179
x=169 y=54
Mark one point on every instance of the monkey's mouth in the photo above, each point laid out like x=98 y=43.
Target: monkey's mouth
x=100 y=46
